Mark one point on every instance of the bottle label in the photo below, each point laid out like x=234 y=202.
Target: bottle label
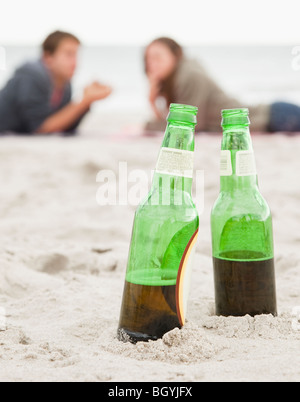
x=245 y=163
x=175 y=162
x=184 y=279
x=226 y=165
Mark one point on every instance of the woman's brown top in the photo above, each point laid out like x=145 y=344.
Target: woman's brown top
x=193 y=86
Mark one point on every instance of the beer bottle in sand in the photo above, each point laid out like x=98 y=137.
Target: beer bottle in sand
x=164 y=235
x=242 y=234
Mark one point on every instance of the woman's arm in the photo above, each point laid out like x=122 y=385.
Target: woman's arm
x=154 y=92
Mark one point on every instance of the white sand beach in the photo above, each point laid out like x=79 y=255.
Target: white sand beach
x=63 y=261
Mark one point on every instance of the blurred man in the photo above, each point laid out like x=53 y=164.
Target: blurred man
x=38 y=98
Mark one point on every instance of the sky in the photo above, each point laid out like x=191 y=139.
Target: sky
x=136 y=22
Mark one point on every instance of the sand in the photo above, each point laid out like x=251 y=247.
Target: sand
x=63 y=261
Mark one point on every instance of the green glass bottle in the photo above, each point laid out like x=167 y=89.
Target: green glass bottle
x=164 y=235
x=242 y=234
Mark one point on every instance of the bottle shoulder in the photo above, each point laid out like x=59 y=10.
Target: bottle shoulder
x=167 y=197
x=241 y=202
x=184 y=212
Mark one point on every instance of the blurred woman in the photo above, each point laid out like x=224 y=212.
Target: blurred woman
x=175 y=79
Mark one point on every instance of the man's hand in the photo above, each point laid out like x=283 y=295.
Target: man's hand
x=95 y=92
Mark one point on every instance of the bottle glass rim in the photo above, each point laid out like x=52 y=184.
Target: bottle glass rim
x=183 y=113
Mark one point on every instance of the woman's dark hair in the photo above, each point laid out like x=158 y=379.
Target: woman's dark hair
x=52 y=42
x=167 y=85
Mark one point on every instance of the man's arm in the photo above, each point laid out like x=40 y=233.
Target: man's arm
x=63 y=119
x=66 y=117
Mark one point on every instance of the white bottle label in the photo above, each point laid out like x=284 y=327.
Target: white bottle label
x=245 y=163
x=175 y=162
x=226 y=165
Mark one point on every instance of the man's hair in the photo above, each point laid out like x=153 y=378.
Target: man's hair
x=52 y=42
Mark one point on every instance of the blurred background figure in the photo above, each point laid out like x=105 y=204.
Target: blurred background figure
x=38 y=98
x=173 y=78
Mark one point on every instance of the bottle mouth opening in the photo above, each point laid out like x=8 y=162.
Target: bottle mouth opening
x=183 y=113
x=235 y=117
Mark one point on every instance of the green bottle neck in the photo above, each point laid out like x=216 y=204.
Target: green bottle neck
x=235 y=139
x=179 y=136
x=182 y=137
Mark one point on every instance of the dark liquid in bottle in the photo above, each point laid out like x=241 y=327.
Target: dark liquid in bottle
x=148 y=312
x=244 y=287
